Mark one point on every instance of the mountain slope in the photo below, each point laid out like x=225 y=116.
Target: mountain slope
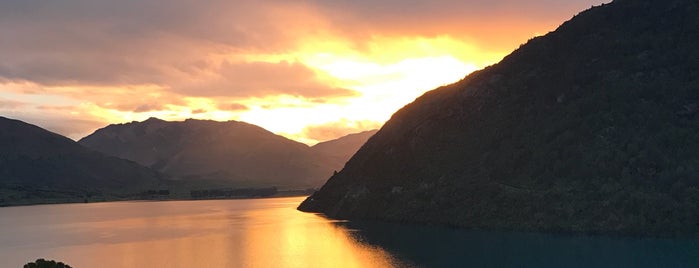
x=37 y=165
x=591 y=128
x=237 y=152
x=341 y=149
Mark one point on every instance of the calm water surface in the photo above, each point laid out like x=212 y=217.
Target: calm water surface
x=271 y=233
x=218 y=233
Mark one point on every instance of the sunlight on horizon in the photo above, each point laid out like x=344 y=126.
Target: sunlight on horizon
x=382 y=83
x=306 y=75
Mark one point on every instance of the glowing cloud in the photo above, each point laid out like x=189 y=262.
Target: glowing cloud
x=308 y=70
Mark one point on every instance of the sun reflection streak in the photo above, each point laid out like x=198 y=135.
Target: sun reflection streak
x=309 y=240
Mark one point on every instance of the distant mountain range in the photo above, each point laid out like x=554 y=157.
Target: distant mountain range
x=38 y=166
x=591 y=128
x=339 y=150
x=234 y=152
x=133 y=160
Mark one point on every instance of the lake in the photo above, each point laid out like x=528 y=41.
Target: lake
x=271 y=233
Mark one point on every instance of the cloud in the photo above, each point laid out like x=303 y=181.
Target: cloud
x=232 y=107
x=199 y=111
x=333 y=130
x=403 y=10
x=248 y=79
x=172 y=43
x=10 y=104
x=57 y=108
x=137 y=99
x=182 y=48
x=119 y=60
x=101 y=42
x=129 y=42
x=487 y=24
x=146 y=108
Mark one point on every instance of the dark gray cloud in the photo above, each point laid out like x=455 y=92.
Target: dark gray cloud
x=99 y=42
x=486 y=23
x=234 y=23
x=135 y=42
x=404 y=10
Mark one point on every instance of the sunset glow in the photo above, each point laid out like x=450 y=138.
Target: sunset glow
x=310 y=71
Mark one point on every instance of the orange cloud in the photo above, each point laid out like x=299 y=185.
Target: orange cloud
x=495 y=25
x=232 y=107
x=10 y=104
x=58 y=108
x=259 y=79
x=332 y=130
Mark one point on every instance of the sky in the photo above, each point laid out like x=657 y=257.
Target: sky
x=310 y=70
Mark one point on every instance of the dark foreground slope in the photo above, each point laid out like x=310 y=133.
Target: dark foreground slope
x=38 y=166
x=591 y=128
x=235 y=152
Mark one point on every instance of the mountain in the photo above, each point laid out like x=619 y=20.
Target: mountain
x=38 y=166
x=342 y=149
x=235 y=152
x=591 y=128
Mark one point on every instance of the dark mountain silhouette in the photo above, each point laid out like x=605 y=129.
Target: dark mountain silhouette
x=342 y=149
x=235 y=152
x=38 y=166
x=590 y=128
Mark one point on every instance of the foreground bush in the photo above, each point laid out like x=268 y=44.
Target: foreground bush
x=41 y=263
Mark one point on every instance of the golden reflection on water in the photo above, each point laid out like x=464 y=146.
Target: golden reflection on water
x=300 y=244
x=219 y=233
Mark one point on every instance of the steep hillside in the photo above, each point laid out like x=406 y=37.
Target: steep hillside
x=237 y=152
x=590 y=128
x=38 y=166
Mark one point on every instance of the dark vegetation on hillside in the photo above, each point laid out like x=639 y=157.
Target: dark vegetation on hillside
x=37 y=166
x=591 y=128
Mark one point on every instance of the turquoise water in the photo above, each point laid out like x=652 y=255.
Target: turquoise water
x=444 y=247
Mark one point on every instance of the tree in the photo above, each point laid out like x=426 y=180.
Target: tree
x=41 y=263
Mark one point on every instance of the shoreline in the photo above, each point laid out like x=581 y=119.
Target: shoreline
x=280 y=194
